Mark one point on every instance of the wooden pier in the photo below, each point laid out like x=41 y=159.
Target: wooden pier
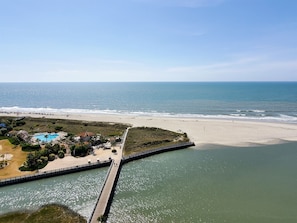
x=105 y=197
x=106 y=194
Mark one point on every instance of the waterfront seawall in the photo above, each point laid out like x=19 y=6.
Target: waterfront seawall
x=53 y=173
x=141 y=155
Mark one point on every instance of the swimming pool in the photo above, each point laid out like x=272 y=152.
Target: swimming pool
x=46 y=137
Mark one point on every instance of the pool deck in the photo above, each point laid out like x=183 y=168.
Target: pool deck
x=40 y=137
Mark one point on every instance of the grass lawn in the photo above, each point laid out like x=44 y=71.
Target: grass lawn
x=143 y=139
x=19 y=157
x=35 y=125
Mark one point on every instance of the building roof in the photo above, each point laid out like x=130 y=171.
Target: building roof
x=86 y=134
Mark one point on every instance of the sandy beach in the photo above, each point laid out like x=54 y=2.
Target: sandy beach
x=200 y=131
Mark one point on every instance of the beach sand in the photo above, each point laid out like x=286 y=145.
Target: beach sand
x=200 y=131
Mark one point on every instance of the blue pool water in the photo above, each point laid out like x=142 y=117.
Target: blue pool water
x=46 y=137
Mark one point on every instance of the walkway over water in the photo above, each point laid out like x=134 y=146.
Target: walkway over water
x=104 y=200
x=106 y=194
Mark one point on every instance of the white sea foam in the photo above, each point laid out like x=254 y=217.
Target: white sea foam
x=258 y=111
x=69 y=111
x=251 y=110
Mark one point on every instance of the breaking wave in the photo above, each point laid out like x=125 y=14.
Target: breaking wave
x=260 y=115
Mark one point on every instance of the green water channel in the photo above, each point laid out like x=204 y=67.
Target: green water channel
x=214 y=185
x=219 y=184
x=78 y=191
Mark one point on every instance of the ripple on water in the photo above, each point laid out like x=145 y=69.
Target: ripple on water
x=78 y=191
x=223 y=184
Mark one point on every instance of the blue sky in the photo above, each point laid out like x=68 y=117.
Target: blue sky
x=148 y=40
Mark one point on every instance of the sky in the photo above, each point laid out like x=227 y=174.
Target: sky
x=148 y=40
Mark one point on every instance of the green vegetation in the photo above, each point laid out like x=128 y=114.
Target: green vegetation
x=40 y=157
x=53 y=149
x=143 y=139
x=27 y=147
x=14 y=140
x=79 y=150
x=34 y=161
x=102 y=219
x=19 y=131
x=52 y=213
x=72 y=127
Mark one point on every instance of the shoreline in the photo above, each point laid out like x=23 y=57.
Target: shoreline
x=202 y=131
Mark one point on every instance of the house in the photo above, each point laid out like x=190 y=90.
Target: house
x=23 y=135
x=85 y=136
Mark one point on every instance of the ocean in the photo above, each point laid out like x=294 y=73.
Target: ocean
x=213 y=185
x=266 y=101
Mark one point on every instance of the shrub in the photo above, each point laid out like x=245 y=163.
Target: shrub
x=14 y=140
x=34 y=161
x=30 y=148
x=58 y=128
x=53 y=148
x=45 y=152
x=51 y=157
x=63 y=148
x=3 y=131
x=61 y=154
x=24 y=168
x=20 y=123
x=102 y=218
x=40 y=164
x=44 y=158
x=79 y=150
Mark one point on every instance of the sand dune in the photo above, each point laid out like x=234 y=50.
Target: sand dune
x=201 y=131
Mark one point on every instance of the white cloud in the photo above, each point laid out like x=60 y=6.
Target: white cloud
x=214 y=66
x=82 y=70
x=244 y=69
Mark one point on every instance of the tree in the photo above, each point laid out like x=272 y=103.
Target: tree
x=51 y=157
x=79 y=150
x=61 y=154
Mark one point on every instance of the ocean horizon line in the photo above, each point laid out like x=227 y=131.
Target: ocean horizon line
x=92 y=82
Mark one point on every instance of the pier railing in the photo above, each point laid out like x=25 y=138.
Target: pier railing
x=102 y=187
x=53 y=173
